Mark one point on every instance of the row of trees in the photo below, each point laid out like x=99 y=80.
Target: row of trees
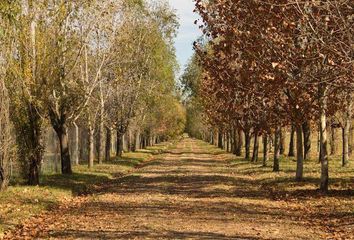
x=106 y=66
x=267 y=65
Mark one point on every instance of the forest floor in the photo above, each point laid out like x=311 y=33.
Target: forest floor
x=196 y=191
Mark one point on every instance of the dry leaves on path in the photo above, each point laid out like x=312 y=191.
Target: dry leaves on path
x=191 y=192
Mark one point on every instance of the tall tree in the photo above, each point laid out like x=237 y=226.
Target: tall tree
x=24 y=81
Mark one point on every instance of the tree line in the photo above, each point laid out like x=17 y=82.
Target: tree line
x=262 y=67
x=105 y=66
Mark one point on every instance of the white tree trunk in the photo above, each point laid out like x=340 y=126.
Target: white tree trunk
x=346 y=130
x=76 y=145
x=91 y=146
x=323 y=141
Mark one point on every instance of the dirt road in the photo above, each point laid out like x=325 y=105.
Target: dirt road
x=190 y=192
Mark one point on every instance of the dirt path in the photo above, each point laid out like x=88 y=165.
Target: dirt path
x=188 y=193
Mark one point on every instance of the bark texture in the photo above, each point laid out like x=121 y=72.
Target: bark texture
x=276 y=167
x=247 y=144
x=299 y=153
x=265 y=150
x=307 y=139
x=255 y=148
x=291 y=144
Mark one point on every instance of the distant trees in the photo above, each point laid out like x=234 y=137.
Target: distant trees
x=196 y=125
x=273 y=64
x=102 y=66
x=144 y=68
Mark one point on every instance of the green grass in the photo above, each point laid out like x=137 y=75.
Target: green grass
x=20 y=202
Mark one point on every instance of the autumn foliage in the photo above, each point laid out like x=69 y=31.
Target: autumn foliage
x=271 y=64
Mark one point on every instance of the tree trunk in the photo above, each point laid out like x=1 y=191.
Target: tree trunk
x=137 y=140
x=345 y=152
x=319 y=144
x=124 y=142
x=75 y=145
x=29 y=128
x=133 y=142
x=58 y=121
x=91 y=146
x=149 y=143
x=220 y=143
x=350 y=140
x=299 y=153
x=333 y=141
x=265 y=149
x=239 y=143
x=216 y=138
x=141 y=142
x=3 y=178
x=101 y=134
x=255 y=147
x=119 y=152
x=345 y=136
x=323 y=139
x=57 y=156
x=227 y=141
x=129 y=141
x=307 y=139
x=282 y=141
x=276 y=167
x=232 y=141
x=247 y=143
x=101 y=143
x=82 y=144
x=291 y=144
x=346 y=131
x=62 y=132
x=34 y=167
x=34 y=170
x=108 y=144
x=33 y=146
x=145 y=140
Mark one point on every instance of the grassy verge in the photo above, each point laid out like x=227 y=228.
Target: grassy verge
x=21 y=202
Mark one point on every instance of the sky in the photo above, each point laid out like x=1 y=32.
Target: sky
x=188 y=31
